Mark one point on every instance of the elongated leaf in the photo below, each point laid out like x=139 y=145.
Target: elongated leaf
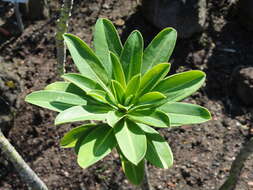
x=150 y=117
x=65 y=87
x=152 y=77
x=184 y=113
x=133 y=85
x=151 y=98
x=82 y=82
x=131 y=56
x=118 y=91
x=179 y=86
x=70 y=138
x=98 y=95
x=158 y=150
x=134 y=173
x=54 y=100
x=131 y=140
x=160 y=49
x=79 y=113
x=129 y=100
x=106 y=39
x=113 y=117
x=85 y=59
x=96 y=146
x=118 y=73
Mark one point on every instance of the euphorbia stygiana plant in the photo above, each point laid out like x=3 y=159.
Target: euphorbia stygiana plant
x=127 y=90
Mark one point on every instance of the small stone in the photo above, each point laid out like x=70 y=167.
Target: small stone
x=119 y=22
x=106 y=6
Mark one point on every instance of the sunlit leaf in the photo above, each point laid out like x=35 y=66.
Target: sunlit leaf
x=54 y=100
x=160 y=49
x=181 y=85
x=106 y=39
x=70 y=138
x=152 y=77
x=85 y=59
x=131 y=140
x=158 y=150
x=151 y=117
x=131 y=56
x=185 y=114
x=95 y=146
x=79 y=113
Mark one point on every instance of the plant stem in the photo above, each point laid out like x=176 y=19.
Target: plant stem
x=19 y=18
x=25 y=172
x=237 y=166
x=146 y=184
x=62 y=27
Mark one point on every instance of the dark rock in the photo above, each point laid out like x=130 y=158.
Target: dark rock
x=246 y=13
x=188 y=17
x=244 y=85
x=35 y=10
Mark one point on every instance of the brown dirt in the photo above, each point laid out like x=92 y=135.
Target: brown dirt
x=203 y=153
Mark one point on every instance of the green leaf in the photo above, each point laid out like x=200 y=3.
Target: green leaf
x=54 y=100
x=85 y=59
x=131 y=56
x=152 y=77
x=179 y=86
x=70 y=138
x=184 y=113
x=118 y=73
x=113 y=117
x=95 y=146
x=128 y=100
x=79 y=113
x=118 y=91
x=81 y=81
x=98 y=107
x=134 y=174
x=151 y=98
x=133 y=85
x=65 y=87
x=160 y=49
x=150 y=117
x=98 y=95
x=106 y=39
x=158 y=150
x=131 y=140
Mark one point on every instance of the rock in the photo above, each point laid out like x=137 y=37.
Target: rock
x=245 y=13
x=188 y=17
x=35 y=9
x=244 y=85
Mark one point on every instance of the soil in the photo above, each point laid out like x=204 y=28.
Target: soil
x=203 y=153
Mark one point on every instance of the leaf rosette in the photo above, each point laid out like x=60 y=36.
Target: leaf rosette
x=127 y=89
